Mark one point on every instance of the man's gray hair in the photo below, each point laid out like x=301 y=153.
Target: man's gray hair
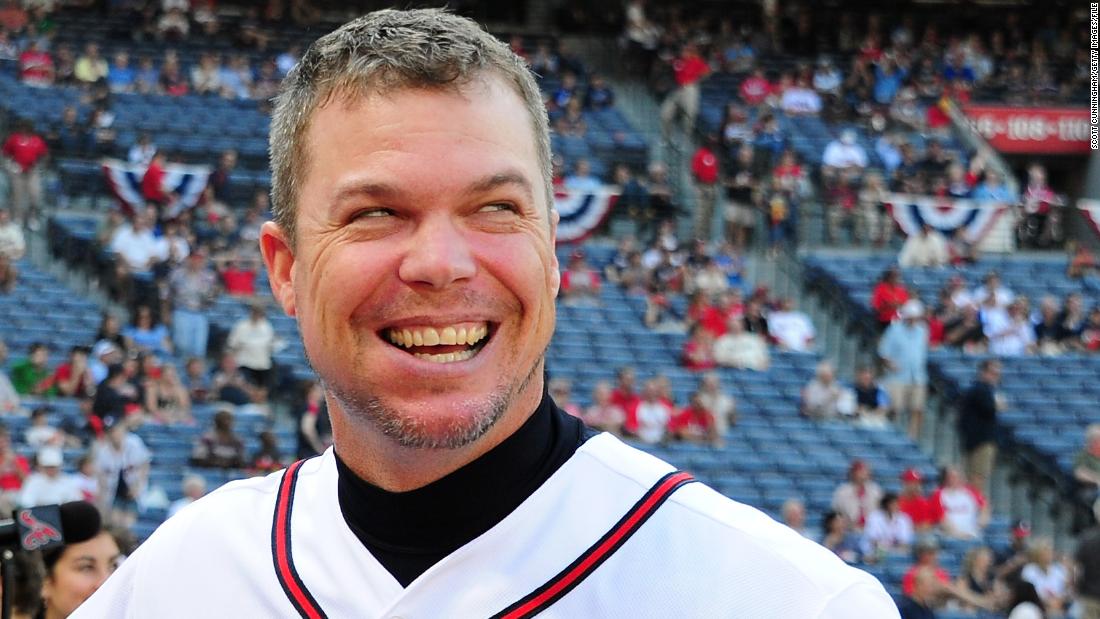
x=382 y=52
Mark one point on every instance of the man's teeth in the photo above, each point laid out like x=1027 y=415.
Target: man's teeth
x=449 y=357
x=429 y=336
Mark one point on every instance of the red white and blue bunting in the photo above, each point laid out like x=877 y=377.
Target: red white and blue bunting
x=581 y=213
x=124 y=180
x=1090 y=210
x=945 y=214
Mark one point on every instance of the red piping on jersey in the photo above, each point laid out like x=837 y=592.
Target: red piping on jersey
x=576 y=572
x=288 y=576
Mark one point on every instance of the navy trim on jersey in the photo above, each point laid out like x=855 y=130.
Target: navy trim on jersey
x=281 y=552
x=565 y=581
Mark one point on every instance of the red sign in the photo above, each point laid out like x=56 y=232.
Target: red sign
x=1031 y=130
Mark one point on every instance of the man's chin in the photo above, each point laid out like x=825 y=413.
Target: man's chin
x=439 y=422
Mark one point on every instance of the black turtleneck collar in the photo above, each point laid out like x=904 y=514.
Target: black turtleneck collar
x=408 y=532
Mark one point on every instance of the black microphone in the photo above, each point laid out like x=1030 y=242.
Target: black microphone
x=49 y=526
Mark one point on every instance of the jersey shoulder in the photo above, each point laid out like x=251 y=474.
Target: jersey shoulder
x=705 y=533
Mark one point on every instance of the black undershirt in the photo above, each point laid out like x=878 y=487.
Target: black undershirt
x=408 y=532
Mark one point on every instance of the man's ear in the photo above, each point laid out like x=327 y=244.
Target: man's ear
x=279 y=260
x=555 y=276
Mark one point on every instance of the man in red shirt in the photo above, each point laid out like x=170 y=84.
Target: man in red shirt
x=36 y=67
x=704 y=173
x=690 y=69
x=888 y=295
x=23 y=151
x=626 y=397
x=13 y=469
x=927 y=552
x=695 y=422
x=152 y=183
x=755 y=89
x=911 y=501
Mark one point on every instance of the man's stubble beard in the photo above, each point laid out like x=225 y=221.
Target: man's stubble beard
x=422 y=431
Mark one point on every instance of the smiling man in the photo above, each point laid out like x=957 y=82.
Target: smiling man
x=413 y=241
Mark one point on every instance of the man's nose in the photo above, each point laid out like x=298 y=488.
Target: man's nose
x=439 y=255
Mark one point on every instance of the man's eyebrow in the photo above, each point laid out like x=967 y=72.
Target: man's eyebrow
x=386 y=191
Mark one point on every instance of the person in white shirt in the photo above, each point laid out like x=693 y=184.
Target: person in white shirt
x=965 y=511
x=12 y=242
x=9 y=397
x=992 y=283
x=844 y=153
x=741 y=349
x=41 y=433
x=48 y=485
x=718 y=402
x=1050 y=577
x=136 y=244
x=791 y=328
x=1010 y=332
x=800 y=100
x=252 y=341
x=888 y=529
x=653 y=414
x=927 y=248
x=194 y=488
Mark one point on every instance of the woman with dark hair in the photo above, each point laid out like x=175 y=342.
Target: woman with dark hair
x=1024 y=602
x=73 y=572
x=839 y=537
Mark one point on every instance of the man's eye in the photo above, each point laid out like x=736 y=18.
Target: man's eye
x=373 y=212
x=497 y=207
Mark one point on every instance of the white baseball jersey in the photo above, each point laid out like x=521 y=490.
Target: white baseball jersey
x=614 y=532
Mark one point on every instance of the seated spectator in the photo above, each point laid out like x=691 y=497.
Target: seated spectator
x=976 y=576
x=230 y=384
x=29 y=375
x=238 y=277
x=173 y=25
x=206 y=75
x=927 y=248
x=85 y=478
x=1050 y=577
x=196 y=380
x=992 y=286
x=741 y=349
x=13 y=470
x=1010 y=333
x=872 y=404
x=116 y=397
x=925 y=595
x=711 y=280
x=166 y=399
x=922 y=510
x=790 y=328
x=659 y=315
x=12 y=242
x=604 y=414
x=136 y=245
x=702 y=313
x=219 y=447
x=652 y=414
x=1024 y=601
x=888 y=529
x=859 y=496
x=888 y=295
x=716 y=400
x=48 y=485
x=821 y=397
x=800 y=100
x=252 y=341
x=581 y=180
x=627 y=398
x=90 y=66
x=41 y=433
x=36 y=66
x=1047 y=329
x=926 y=553
x=965 y=511
x=993 y=189
x=268 y=458
x=794 y=516
x=143 y=150
x=121 y=77
x=1072 y=320
x=146 y=335
x=122 y=462
x=1086 y=464
x=843 y=153
x=572 y=122
x=72 y=378
x=966 y=332
x=9 y=397
x=561 y=389
x=1090 y=333
x=580 y=283
x=1082 y=263
x=194 y=488
x=695 y=423
x=599 y=95
x=839 y=537
x=698 y=353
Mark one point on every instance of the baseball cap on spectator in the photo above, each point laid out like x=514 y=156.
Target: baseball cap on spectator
x=848 y=136
x=50 y=456
x=1021 y=528
x=925 y=544
x=911 y=475
x=856 y=465
x=103 y=347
